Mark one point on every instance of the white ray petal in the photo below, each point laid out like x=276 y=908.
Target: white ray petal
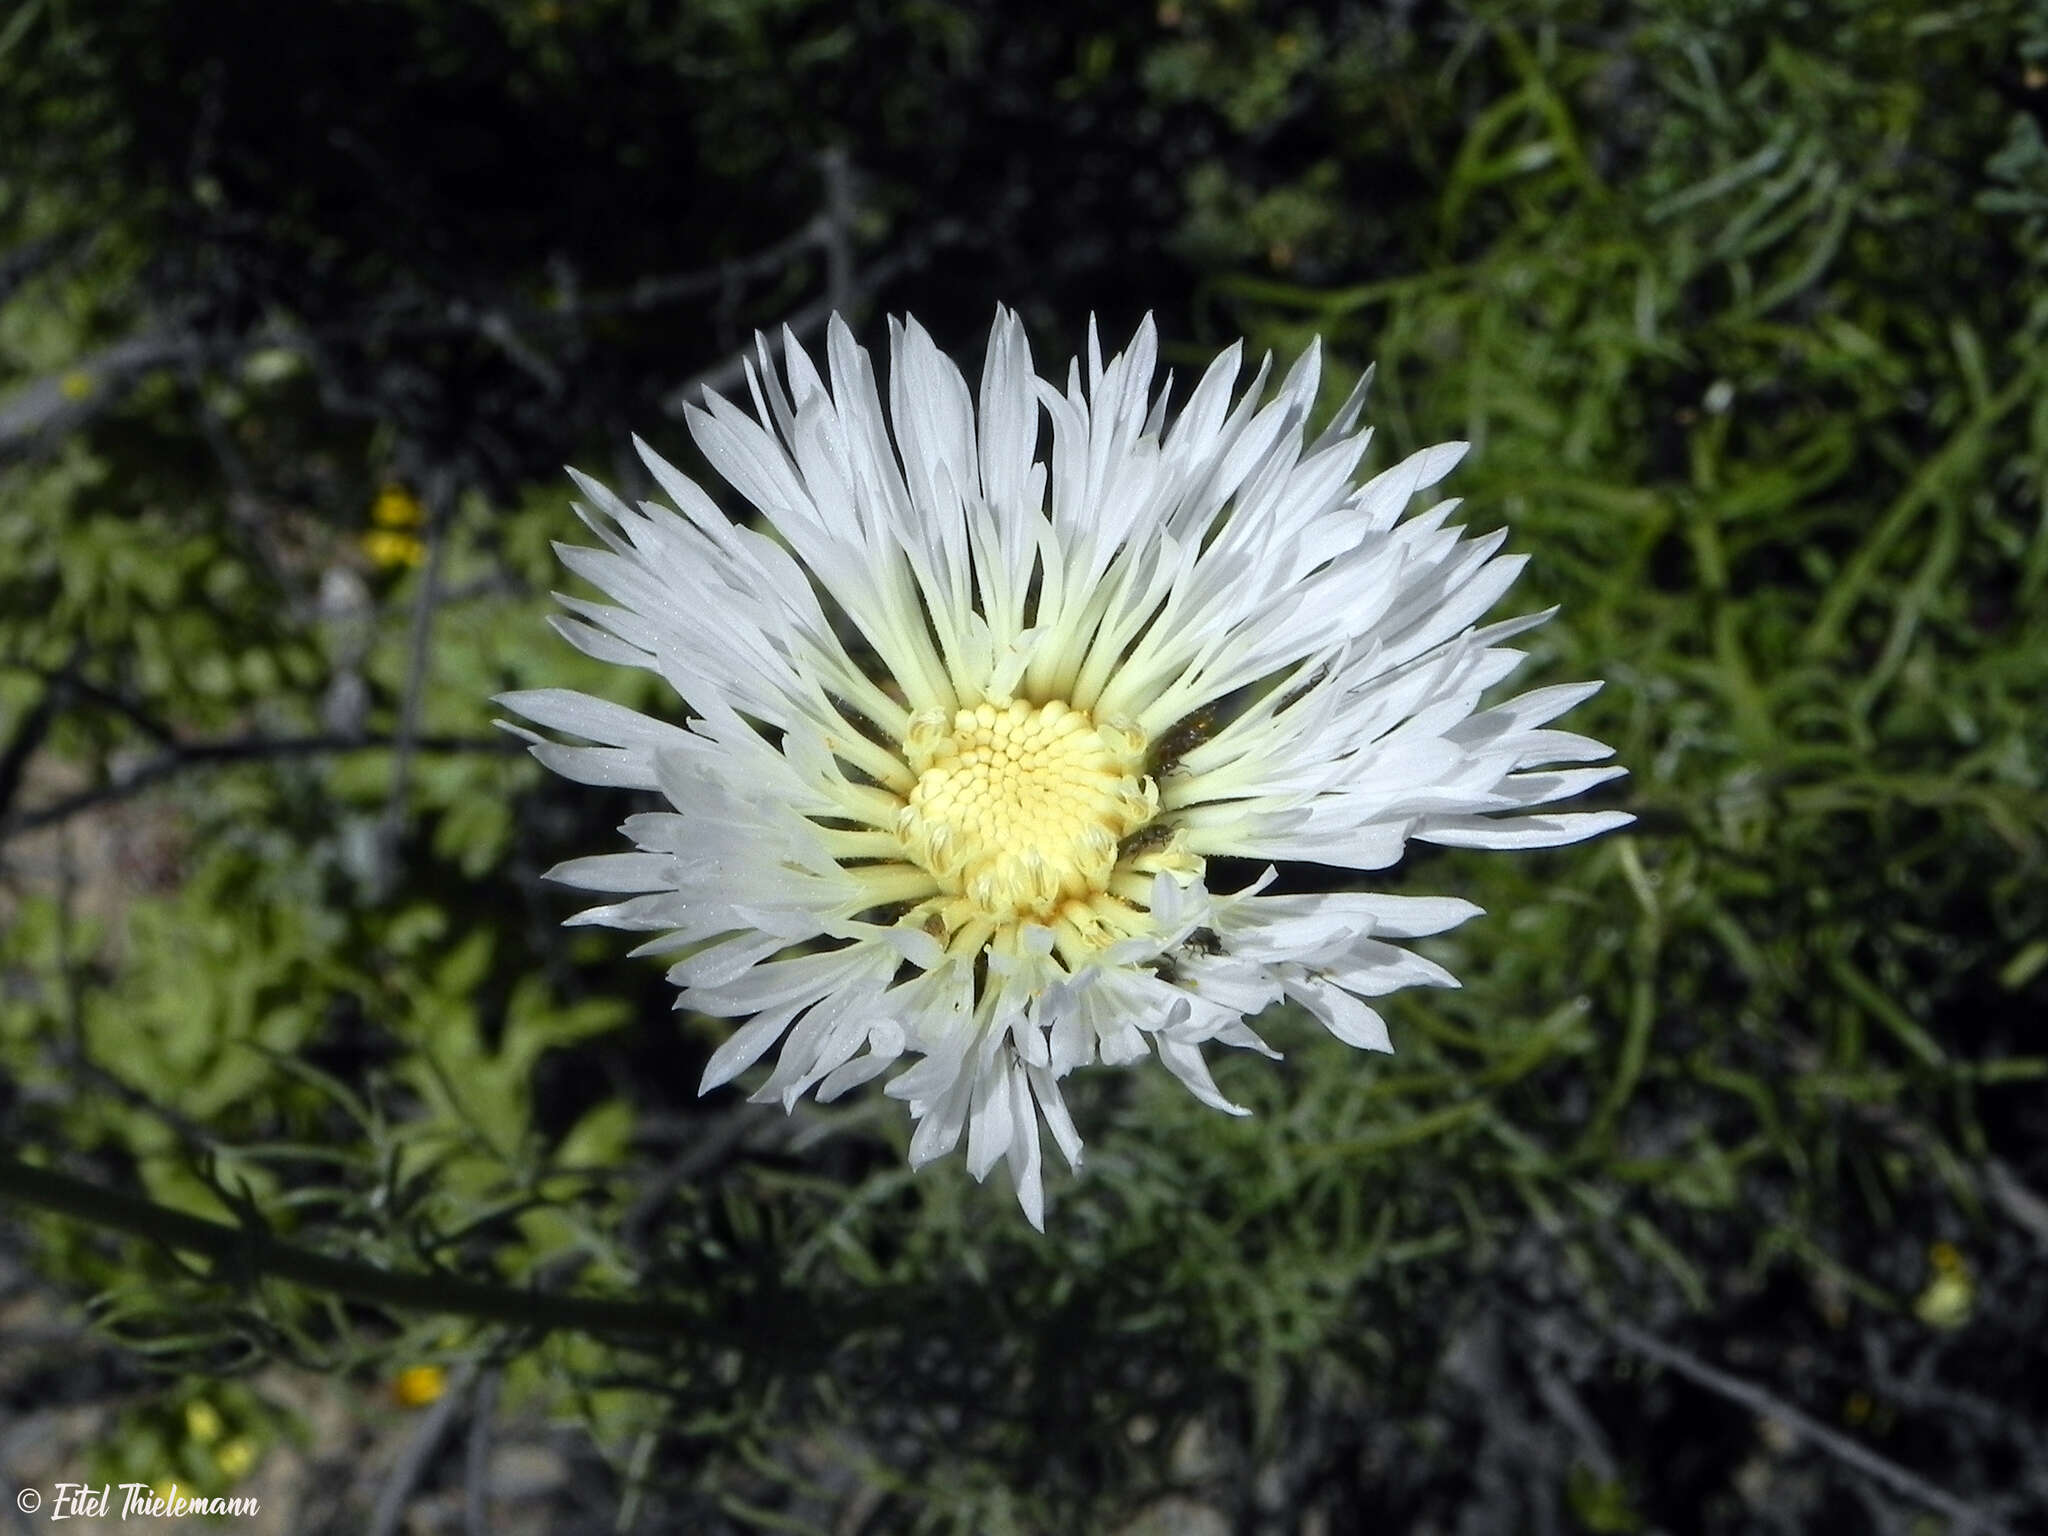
x=962 y=707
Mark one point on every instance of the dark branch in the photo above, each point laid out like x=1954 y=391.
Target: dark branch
x=1965 y=1518
x=652 y=292
x=45 y=409
x=247 y=750
x=419 y=1453
x=251 y=1253
x=24 y=262
x=28 y=736
x=808 y=321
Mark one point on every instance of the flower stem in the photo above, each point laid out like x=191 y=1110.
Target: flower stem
x=243 y=1254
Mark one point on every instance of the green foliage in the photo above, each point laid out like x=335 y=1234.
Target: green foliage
x=204 y=1435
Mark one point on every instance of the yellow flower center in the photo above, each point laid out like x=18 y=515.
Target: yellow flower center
x=1023 y=814
x=1019 y=810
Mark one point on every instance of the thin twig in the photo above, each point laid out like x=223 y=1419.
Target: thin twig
x=25 y=261
x=440 y=499
x=419 y=1451
x=710 y=1146
x=1966 y=1517
x=635 y=1490
x=476 y=1472
x=651 y=292
x=724 y=376
x=27 y=737
x=2021 y=1205
x=836 y=169
x=496 y=327
x=126 y=708
x=44 y=409
x=243 y=496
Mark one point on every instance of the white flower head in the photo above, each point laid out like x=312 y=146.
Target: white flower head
x=966 y=723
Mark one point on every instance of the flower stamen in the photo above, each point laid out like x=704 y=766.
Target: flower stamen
x=1019 y=810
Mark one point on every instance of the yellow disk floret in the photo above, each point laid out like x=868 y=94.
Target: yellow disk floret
x=1020 y=813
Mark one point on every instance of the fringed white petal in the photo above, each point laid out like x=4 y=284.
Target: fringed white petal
x=1300 y=658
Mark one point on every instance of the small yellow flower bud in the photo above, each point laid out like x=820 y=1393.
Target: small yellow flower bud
x=236 y=1457
x=396 y=507
x=418 y=1385
x=202 y=1422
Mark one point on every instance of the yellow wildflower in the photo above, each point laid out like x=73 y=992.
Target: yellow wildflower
x=202 y=1421
x=236 y=1457
x=419 y=1385
x=1946 y=1303
x=388 y=548
x=396 y=507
